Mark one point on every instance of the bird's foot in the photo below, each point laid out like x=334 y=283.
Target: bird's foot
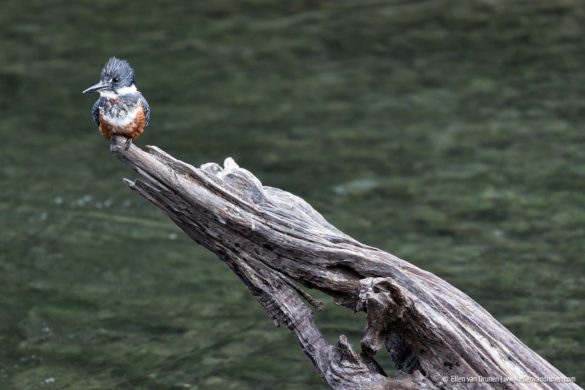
x=127 y=144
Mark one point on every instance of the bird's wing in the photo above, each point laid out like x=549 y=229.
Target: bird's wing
x=95 y=111
x=146 y=108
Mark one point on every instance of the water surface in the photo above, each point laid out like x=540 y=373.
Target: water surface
x=449 y=133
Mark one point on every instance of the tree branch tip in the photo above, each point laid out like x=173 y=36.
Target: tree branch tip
x=116 y=148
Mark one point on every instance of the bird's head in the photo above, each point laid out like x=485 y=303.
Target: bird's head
x=117 y=77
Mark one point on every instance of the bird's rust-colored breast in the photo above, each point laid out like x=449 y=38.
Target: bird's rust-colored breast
x=132 y=129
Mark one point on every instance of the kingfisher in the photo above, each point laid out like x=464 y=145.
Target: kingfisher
x=121 y=109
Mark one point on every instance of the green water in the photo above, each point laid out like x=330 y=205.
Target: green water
x=449 y=133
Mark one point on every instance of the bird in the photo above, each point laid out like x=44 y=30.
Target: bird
x=120 y=109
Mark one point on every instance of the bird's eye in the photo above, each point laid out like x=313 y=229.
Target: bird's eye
x=116 y=79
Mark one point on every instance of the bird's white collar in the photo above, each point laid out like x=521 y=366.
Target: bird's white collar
x=122 y=91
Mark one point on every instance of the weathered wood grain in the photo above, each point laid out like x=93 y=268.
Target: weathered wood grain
x=276 y=242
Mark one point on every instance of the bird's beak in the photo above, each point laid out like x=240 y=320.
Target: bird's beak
x=97 y=87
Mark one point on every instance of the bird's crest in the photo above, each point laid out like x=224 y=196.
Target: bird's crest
x=118 y=68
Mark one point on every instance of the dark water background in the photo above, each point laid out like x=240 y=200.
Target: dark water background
x=449 y=133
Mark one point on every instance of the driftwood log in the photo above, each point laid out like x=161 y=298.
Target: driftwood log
x=437 y=337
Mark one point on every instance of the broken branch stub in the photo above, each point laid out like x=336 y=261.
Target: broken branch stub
x=276 y=242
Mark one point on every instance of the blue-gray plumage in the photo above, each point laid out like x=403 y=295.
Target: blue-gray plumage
x=121 y=109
